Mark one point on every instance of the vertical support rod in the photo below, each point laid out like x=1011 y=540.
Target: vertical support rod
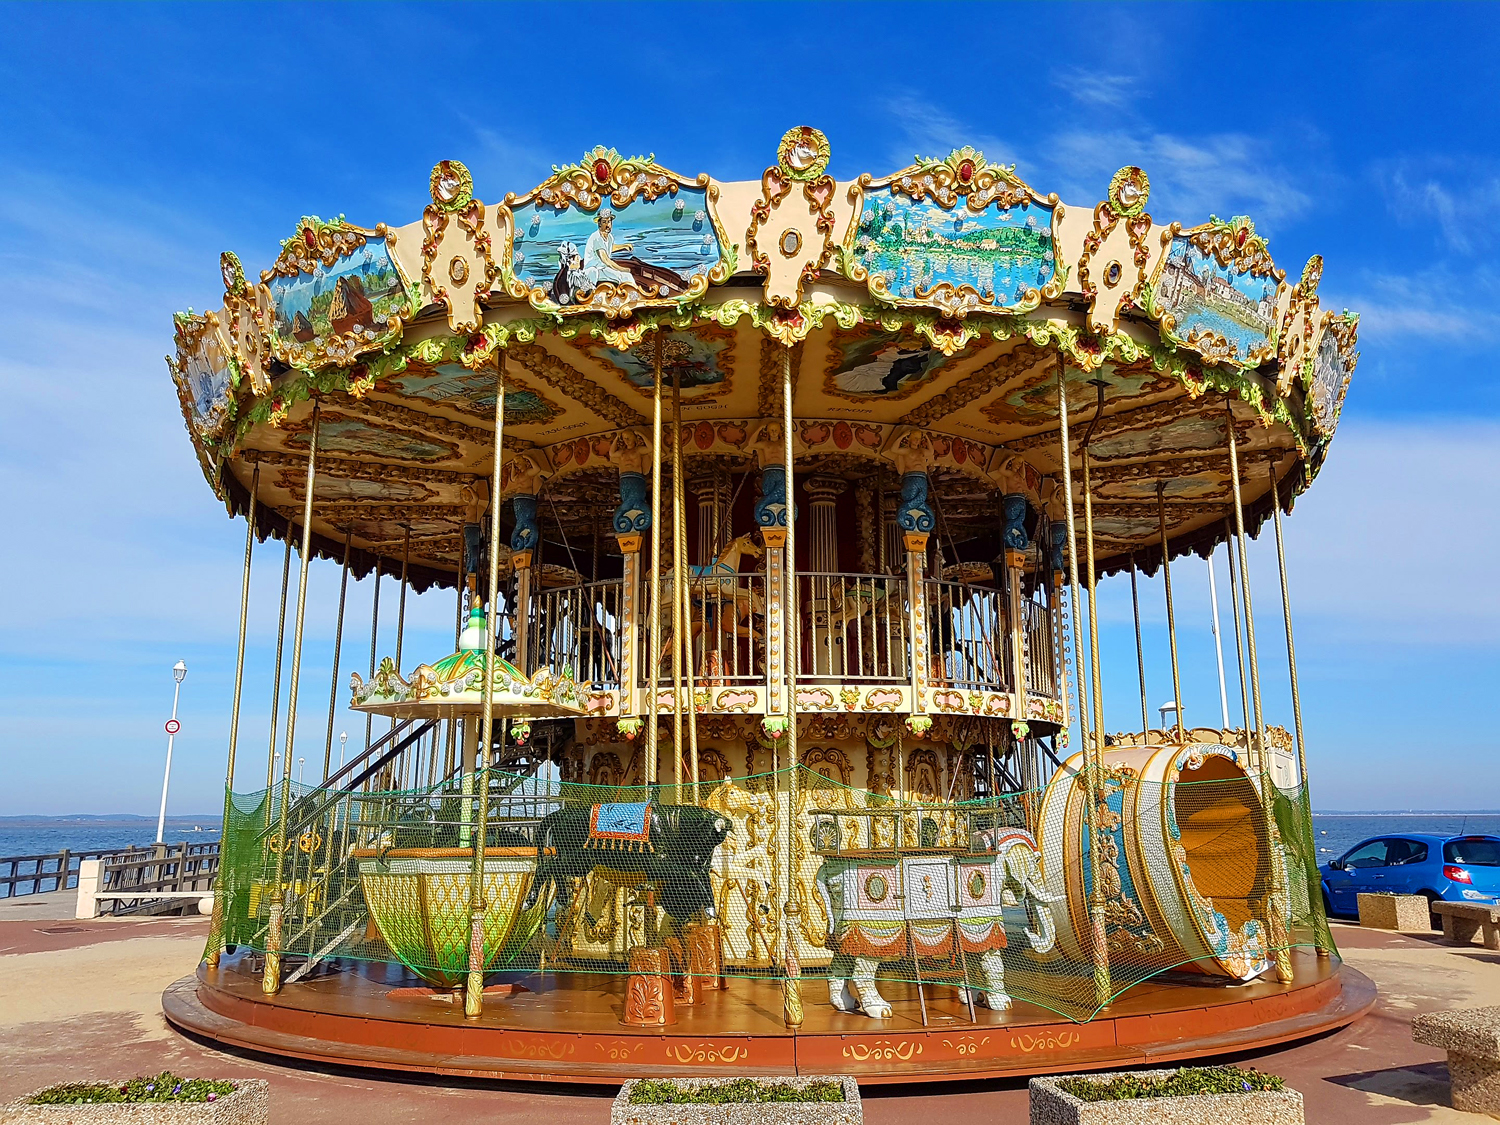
x=216 y=926
x=271 y=978
x=1095 y=670
x=374 y=636
x=653 y=654
x=1277 y=900
x=1213 y=601
x=1239 y=644
x=286 y=573
x=679 y=583
x=1140 y=654
x=1166 y=573
x=474 y=984
x=791 y=994
x=1093 y=750
x=684 y=593
x=338 y=648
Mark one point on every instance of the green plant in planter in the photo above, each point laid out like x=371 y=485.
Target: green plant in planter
x=739 y=1091
x=163 y=1087
x=1183 y=1083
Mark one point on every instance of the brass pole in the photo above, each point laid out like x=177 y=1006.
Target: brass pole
x=1095 y=671
x=374 y=636
x=679 y=582
x=338 y=646
x=1092 y=746
x=684 y=599
x=1166 y=572
x=1291 y=659
x=1286 y=613
x=1140 y=654
x=474 y=985
x=286 y=573
x=271 y=978
x=653 y=673
x=216 y=927
x=791 y=994
x=1284 y=972
x=401 y=602
x=1239 y=644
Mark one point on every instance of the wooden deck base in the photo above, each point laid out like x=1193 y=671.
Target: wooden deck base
x=568 y=1026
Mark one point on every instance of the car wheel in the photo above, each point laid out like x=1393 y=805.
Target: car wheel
x=1327 y=906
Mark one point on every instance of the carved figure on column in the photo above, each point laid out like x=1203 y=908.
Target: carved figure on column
x=525 y=535
x=1013 y=506
x=770 y=511
x=914 y=513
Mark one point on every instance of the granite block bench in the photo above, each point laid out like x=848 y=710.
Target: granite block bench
x=1471 y=1037
x=1462 y=920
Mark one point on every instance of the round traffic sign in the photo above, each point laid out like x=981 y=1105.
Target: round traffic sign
x=173 y=726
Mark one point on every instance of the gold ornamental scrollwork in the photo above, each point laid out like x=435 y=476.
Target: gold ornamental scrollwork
x=457 y=246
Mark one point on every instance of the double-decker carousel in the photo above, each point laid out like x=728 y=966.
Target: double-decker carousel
x=773 y=513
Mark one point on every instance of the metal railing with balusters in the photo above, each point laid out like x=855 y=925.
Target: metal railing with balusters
x=727 y=616
x=1041 y=676
x=577 y=629
x=856 y=627
x=969 y=636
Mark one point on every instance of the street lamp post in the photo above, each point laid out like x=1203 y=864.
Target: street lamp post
x=299 y=771
x=343 y=740
x=179 y=670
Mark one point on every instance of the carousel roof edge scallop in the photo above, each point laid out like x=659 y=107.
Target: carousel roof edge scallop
x=929 y=313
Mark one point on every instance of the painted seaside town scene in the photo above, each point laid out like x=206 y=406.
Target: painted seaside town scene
x=724 y=576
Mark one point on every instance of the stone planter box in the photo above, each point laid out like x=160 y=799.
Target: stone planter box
x=1050 y=1105
x=247 y=1105
x=1407 y=914
x=847 y=1112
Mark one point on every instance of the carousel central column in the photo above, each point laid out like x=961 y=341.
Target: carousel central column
x=474 y=983
x=791 y=994
x=823 y=558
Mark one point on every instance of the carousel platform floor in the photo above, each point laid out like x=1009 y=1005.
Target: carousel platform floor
x=566 y=1026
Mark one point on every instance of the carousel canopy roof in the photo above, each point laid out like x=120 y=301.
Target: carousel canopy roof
x=928 y=313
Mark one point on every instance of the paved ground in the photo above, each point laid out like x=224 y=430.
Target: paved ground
x=83 y=998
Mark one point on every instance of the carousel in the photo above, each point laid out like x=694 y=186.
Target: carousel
x=771 y=738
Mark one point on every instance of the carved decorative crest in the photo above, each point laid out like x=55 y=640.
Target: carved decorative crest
x=205 y=372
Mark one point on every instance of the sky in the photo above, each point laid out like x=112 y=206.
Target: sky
x=139 y=141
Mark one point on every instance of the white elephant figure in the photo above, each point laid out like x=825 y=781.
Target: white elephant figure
x=881 y=907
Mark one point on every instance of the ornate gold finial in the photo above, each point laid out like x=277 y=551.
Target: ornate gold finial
x=1129 y=191
x=803 y=153
x=451 y=185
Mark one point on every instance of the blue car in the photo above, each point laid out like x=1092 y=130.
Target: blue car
x=1440 y=868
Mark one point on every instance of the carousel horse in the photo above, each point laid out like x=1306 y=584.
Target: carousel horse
x=707 y=597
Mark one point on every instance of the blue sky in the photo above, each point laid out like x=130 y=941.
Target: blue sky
x=140 y=141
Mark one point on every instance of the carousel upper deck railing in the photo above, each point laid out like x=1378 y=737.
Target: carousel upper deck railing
x=579 y=629
x=855 y=627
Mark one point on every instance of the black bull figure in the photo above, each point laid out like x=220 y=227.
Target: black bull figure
x=675 y=859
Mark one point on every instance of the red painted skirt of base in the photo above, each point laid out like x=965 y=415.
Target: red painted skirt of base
x=567 y=1026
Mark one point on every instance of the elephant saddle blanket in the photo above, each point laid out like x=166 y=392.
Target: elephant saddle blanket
x=620 y=827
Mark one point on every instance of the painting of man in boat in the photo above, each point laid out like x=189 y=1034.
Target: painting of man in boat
x=656 y=246
x=357 y=294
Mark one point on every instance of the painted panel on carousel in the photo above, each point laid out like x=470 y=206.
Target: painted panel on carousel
x=205 y=372
x=875 y=364
x=1033 y=397
x=960 y=235
x=339 y=433
x=1332 y=368
x=702 y=359
x=472 y=392
x=1147 y=436
x=1216 y=291
x=334 y=489
x=335 y=293
x=613 y=234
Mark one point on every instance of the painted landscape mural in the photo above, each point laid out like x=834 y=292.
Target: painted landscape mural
x=206 y=372
x=1205 y=296
x=916 y=246
x=698 y=359
x=472 y=392
x=658 y=246
x=359 y=292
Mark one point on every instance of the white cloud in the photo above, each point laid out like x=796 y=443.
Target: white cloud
x=1457 y=197
x=1094 y=89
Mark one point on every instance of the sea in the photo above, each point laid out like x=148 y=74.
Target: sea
x=1336 y=833
x=47 y=835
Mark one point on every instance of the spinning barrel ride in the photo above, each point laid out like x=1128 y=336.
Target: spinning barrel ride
x=773 y=514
